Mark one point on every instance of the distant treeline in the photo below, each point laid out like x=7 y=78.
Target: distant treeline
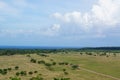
x=103 y=48
x=64 y=50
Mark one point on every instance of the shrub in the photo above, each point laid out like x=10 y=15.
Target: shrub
x=48 y=64
x=35 y=71
x=15 y=78
x=17 y=73
x=41 y=62
x=75 y=66
x=66 y=73
x=23 y=73
x=33 y=60
x=54 y=63
x=61 y=79
x=64 y=69
x=36 y=78
x=16 y=67
x=9 y=69
x=30 y=72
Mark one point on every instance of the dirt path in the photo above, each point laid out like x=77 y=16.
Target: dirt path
x=91 y=71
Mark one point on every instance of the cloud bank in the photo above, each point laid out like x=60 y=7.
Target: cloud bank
x=104 y=15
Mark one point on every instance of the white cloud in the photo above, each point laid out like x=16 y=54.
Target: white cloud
x=52 y=31
x=107 y=12
x=49 y=32
x=23 y=4
x=103 y=15
x=7 y=9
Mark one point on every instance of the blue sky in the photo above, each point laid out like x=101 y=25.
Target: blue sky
x=70 y=23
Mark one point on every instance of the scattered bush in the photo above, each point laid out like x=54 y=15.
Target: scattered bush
x=16 y=67
x=30 y=72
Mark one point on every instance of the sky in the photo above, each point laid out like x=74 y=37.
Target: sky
x=67 y=23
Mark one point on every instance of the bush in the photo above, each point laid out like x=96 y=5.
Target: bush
x=48 y=64
x=66 y=73
x=35 y=71
x=36 y=78
x=61 y=79
x=75 y=66
x=9 y=69
x=64 y=69
x=16 y=67
x=54 y=63
x=30 y=72
x=23 y=73
x=17 y=73
x=41 y=62
x=33 y=60
x=15 y=78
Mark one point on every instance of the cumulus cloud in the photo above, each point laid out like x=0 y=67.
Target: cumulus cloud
x=104 y=14
x=53 y=30
x=107 y=12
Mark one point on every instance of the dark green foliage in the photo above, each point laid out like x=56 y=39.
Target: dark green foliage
x=17 y=73
x=9 y=69
x=15 y=78
x=63 y=63
x=54 y=63
x=30 y=72
x=81 y=53
x=43 y=52
x=48 y=64
x=41 y=62
x=44 y=55
x=3 y=71
x=23 y=73
x=51 y=59
x=66 y=73
x=16 y=67
x=28 y=55
x=35 y=71
x=33 y=60
x=75 y=66
x=61 y=79
x=36 y=78
x=64 y=69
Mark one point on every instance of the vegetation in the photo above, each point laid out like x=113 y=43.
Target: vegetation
x=59 y=64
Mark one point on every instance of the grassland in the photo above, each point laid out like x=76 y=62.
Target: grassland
x=90 y=67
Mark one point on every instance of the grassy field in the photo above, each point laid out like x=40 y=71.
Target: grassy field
x=90 y=67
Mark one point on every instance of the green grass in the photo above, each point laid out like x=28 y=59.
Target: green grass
x=101 y=64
